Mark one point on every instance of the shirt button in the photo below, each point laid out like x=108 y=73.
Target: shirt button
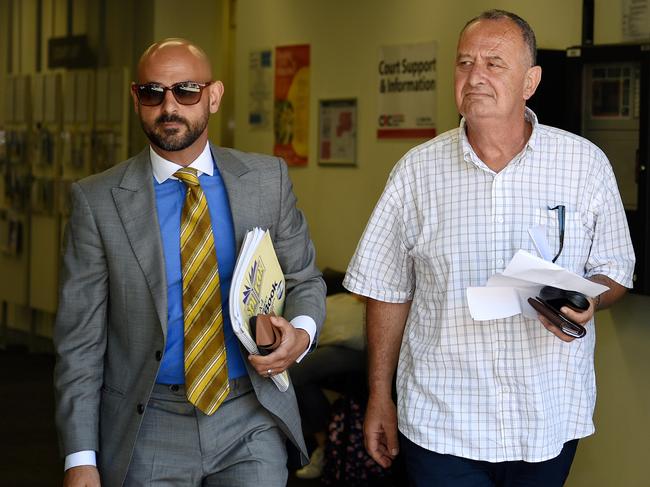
x=500 y=262
x=140 y=408
x=500 y=219
x=158 y=355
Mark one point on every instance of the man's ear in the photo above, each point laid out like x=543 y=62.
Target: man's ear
x=531 y=82
x=134 y=97
x=215 y=91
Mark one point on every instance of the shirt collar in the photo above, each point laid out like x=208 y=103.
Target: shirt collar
x=164 y=169
x=470 y=156
x=532 y=118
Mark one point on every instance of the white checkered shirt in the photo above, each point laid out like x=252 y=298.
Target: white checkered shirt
x=504 y=389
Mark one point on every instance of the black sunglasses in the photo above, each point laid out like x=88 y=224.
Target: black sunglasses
x=185 y=92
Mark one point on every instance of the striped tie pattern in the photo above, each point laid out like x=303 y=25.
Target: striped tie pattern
x=206 y=373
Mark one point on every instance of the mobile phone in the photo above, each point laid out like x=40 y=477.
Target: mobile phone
x=267 y=337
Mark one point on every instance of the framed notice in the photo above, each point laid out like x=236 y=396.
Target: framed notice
x=636 y=20
x=337 y=132
x=260 y=88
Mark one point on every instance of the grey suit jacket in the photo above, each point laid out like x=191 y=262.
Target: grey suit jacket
x=112 y=319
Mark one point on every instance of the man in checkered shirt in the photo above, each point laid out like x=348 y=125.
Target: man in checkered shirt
x=499 y=402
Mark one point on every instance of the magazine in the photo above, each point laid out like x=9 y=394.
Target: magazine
x=257 y=287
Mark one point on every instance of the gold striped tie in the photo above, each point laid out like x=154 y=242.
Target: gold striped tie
x=206 y=372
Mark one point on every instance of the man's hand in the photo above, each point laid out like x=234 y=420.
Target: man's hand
x=380 y=430
x=580 y=317
x=602 y=301
x=294 y=342
x=82 y=476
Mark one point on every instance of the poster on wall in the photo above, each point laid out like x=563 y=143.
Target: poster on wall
x=337 y=132
x=291 y=104
x=260 y=88
x=636 y=20
x=407 y=91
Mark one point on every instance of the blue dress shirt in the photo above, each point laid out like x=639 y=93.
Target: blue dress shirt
x=170 y=196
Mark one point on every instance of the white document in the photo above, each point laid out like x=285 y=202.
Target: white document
x=507 y=294
x=491 y=303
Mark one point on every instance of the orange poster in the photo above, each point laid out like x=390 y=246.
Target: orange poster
x=291 y=106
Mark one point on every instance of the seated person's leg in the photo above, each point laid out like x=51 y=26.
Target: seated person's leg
x=322 y=365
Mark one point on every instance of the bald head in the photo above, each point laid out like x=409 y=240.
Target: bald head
x=171 y=51
x=176 y=125
x=527 y=33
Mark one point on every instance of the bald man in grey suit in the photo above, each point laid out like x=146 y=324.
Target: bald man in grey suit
x=121 y=410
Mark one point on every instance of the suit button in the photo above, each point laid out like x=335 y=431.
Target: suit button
x=174 y=387
x=158 y=355
x=140 y=408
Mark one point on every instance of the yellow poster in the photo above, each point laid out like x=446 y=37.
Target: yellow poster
x=291 y=106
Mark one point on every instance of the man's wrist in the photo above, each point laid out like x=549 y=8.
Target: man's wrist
x=381 y=393
x=597 y=302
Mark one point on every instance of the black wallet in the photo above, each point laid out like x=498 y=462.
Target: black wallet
x=552 y=299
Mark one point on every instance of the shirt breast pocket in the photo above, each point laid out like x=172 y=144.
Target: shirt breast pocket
x=572 y=242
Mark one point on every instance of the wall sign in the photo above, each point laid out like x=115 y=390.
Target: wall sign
x=407 y=91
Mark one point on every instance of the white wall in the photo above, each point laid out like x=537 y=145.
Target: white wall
x=608 y=21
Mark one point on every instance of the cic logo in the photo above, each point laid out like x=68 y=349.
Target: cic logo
x=391 y=120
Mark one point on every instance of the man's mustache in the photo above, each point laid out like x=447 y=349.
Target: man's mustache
x=171 y=118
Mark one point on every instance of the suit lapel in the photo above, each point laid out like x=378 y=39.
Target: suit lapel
x=136 y=205
x=242 y=185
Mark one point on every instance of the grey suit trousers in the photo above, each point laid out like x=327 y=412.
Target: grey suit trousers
x=240 y=445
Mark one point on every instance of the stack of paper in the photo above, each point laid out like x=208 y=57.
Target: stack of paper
x=507 y=294
x=257 y=288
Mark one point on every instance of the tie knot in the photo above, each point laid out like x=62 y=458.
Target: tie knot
x=188 y=176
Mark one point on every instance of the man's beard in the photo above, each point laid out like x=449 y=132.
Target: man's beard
x=172 y=140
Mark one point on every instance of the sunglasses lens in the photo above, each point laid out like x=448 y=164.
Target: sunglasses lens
x=151 y=95
x=187 y=93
